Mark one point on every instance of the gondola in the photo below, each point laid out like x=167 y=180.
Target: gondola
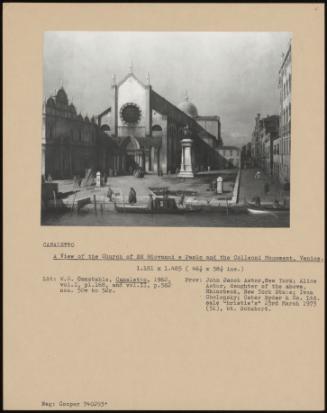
x=146 y=209
x=269 y=208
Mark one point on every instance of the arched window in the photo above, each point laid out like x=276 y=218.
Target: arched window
x=156 y=128
x=156 y=131
x=105 y=128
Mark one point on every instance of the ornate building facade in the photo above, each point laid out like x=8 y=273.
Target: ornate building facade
x=285 y=86
x=71 y=143
x=263 y=137
x=140 y=129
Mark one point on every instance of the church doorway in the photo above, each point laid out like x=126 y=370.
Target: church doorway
x=134 y=155
x=131 y=165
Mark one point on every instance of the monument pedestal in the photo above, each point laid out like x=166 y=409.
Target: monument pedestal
x=186 y=161
x=98 y=180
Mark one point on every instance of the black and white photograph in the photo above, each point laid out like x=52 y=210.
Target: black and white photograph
x=170 y=129
x=163 y=239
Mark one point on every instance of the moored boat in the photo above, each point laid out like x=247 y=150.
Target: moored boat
x=268 y=208
x=146 y=209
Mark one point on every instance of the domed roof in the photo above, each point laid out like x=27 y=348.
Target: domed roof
x=62 y=96
x=188 y=107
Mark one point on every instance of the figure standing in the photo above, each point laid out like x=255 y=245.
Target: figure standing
x=165 y=199
x=150 y=202
x=132 y=196
x=110 y=193
x=182 y=198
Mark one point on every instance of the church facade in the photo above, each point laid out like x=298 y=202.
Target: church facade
x=150 y=129
x=140 y=129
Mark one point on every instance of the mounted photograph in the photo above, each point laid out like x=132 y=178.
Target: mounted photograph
x=170 y=129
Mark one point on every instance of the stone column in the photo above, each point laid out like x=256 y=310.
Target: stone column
x=147 y=160
x=186 y=163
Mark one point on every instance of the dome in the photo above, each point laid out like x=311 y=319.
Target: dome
x=188 y=107
x=62 y=96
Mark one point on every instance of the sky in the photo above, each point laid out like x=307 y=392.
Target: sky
x=230 y=74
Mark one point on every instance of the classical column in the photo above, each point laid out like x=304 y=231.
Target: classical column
x=147 y=160
x=142 y=160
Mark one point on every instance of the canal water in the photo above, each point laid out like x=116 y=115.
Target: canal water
x=199 y=219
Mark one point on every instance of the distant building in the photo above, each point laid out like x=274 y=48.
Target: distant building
x=285 y=86
x=230 y=156
x=246 y=156
x=255 y=142
x=276 y=158
x=264 y=134
x=212 y=125
x=270 y=129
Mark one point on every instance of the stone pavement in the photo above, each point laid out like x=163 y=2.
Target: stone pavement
x=202 y=194
x=251 y=187
x=198 y=187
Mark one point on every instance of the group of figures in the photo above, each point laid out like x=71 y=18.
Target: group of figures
x=154 y=202
x=131 y=196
